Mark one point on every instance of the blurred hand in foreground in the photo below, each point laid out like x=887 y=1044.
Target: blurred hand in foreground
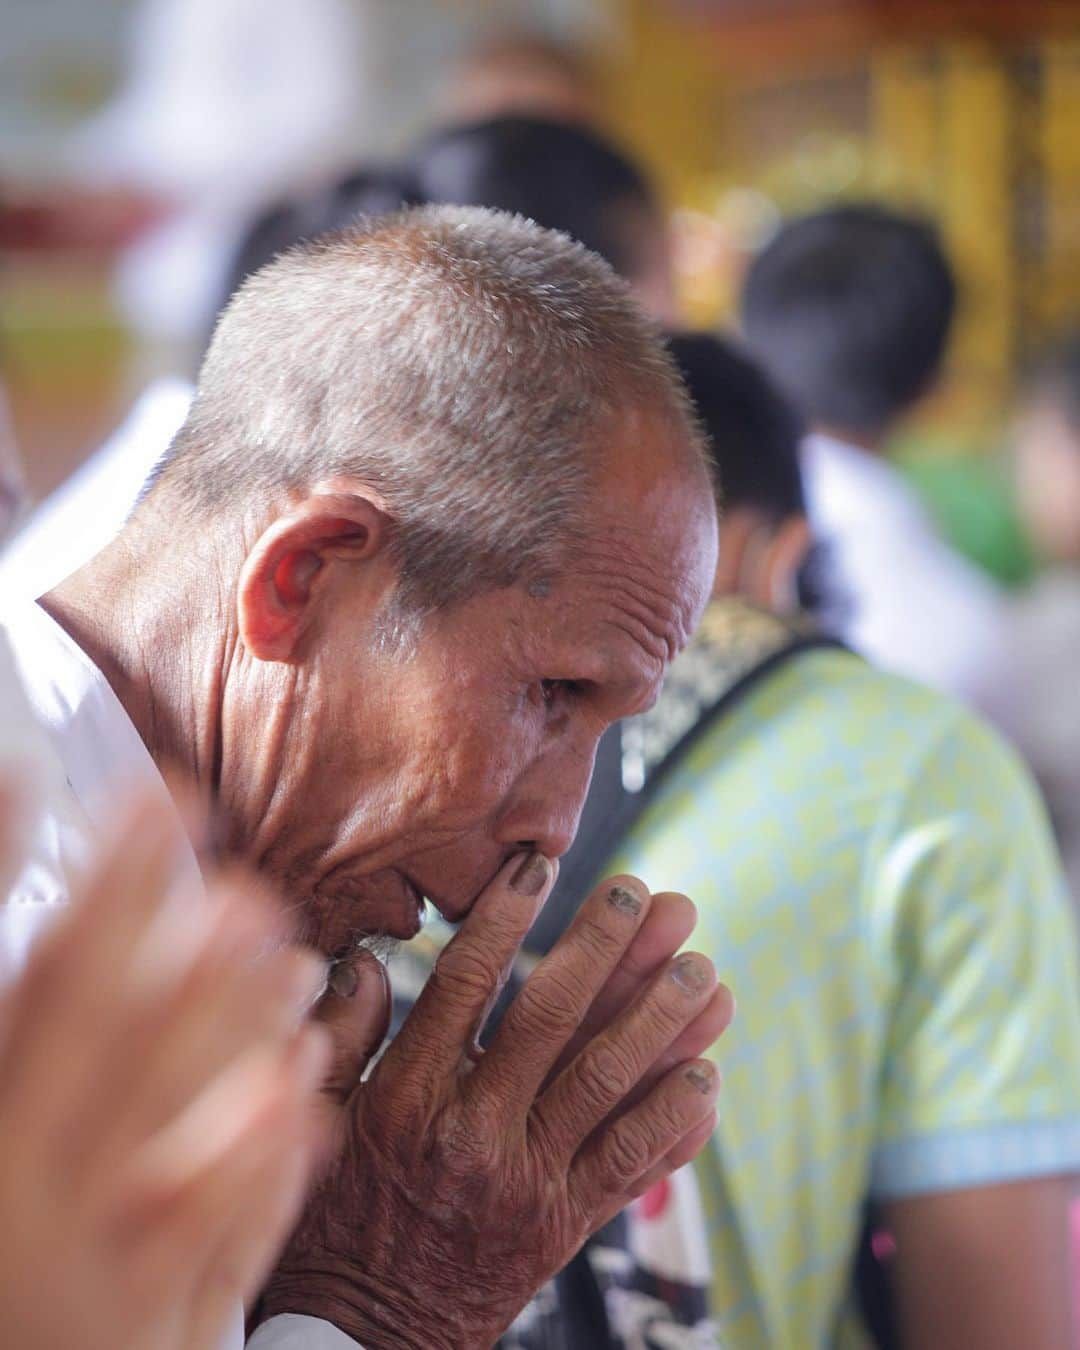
x=156 y=1092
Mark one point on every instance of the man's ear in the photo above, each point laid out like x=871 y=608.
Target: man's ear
x=290 y=561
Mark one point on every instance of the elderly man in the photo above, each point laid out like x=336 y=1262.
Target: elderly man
x=438 y=516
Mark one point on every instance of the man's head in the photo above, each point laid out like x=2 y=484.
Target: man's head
x=753 y=435
x=565 y=178
x=377 y=190
x=1048 y=454
x=466 y=521
x=850 y=310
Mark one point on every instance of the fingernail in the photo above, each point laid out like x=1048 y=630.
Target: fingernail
x=532 y=876
x=343 y=980
x=703 y=1079
x=624 y=900
x=691 y=973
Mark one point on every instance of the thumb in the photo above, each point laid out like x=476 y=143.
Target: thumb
x=355 y=1009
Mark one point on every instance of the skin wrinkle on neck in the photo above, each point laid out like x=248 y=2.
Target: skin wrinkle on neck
x=340 y=767
x=168 y=673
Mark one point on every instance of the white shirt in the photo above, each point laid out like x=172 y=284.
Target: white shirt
x=85 y=749
x=914 y=605
x=88 y=511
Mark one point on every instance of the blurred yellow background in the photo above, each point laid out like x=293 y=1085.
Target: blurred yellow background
x=743 y=109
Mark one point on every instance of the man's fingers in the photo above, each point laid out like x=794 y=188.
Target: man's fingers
x=556 y=997
x=443 y=1024
x=128 y=886
x=62 y=992
x=355 y=1009
x=614 y=1166
x=706 y=1028
x=237 y=1267
x=688 y=1148
x=667 y=926
x=610 y=1067
x=684 y=1152
x=227 y=1003
x=186 y=1183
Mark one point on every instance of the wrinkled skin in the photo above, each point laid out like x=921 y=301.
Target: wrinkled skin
x=357 y=777
x=483 y=1178
x=363 y=778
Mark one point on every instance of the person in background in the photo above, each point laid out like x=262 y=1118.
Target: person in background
x=850 y=310
x=524 y=75
x=1040 y=707
x=876 y=844
x=567 y=178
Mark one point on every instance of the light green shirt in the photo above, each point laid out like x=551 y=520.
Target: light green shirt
x=877 y=884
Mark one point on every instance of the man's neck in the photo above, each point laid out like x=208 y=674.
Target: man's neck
x=145 y=621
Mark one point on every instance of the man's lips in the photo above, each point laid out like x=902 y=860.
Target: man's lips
x=412 y=918
x=453 y=911
x=454 y=908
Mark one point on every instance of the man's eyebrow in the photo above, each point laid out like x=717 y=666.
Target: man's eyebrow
x=637 y=677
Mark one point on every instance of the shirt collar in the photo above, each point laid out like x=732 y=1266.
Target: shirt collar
x=96 y=741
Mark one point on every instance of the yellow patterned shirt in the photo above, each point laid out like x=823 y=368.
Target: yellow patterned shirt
x=877 y=883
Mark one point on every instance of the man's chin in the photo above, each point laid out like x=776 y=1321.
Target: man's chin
x=375 y=912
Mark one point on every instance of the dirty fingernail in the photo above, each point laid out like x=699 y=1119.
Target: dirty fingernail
x=691 y=973
x=624 y=900
x=703 y=1079
x=343 y=980
x=532 y=876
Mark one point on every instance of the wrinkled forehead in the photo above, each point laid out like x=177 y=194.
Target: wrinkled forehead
x=650 y=550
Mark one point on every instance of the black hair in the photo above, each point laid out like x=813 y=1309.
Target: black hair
x=563 y=177
x=752 y=431
x=850 y=310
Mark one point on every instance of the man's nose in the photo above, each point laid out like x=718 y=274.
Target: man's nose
x=549 y=803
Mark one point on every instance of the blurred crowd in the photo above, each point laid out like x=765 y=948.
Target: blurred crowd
x=852 y=748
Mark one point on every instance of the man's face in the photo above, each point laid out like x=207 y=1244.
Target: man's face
x=418 y=775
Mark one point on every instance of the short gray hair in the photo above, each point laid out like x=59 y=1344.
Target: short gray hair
x=459 y=361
